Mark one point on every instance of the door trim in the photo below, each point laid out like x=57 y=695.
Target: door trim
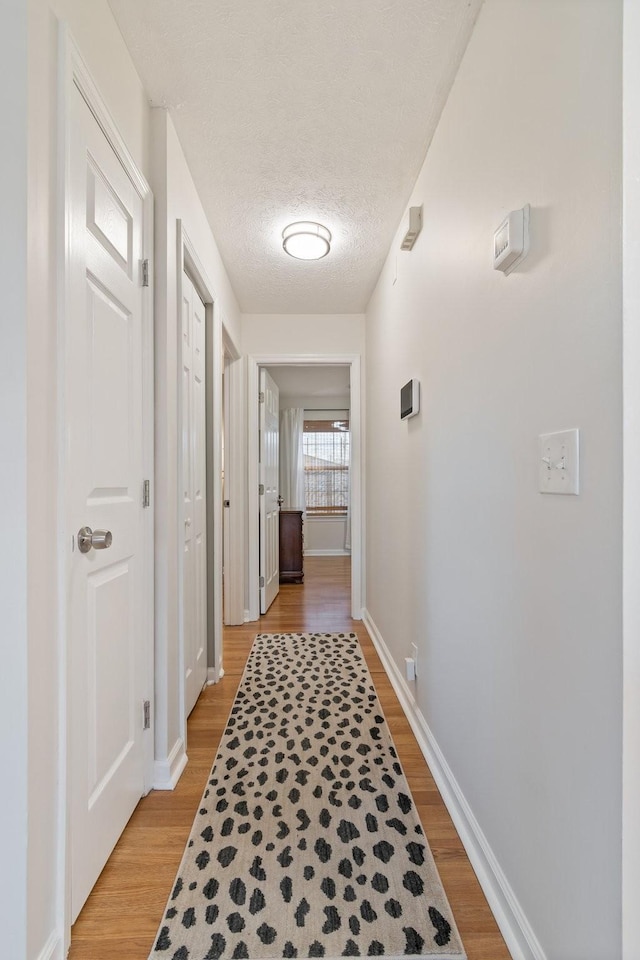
x=269 y=484
x=218 y=343
x=357 y=493
x=234 y=465
x=189 y=262
x=74 y=73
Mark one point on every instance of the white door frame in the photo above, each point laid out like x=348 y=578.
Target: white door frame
x=218 y=344
x=357 y=495
x=189 y=261
x=234 y=463
x=194 y=318
x=74 y=73
x=269 y=480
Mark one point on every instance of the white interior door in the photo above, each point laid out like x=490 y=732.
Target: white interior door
x=269 y=472
x=104 y=481
x=226 y=502
x=194 y=480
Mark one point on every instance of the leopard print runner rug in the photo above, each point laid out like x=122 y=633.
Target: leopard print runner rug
x=307 y=843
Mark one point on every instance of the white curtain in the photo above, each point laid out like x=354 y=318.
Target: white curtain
x=292 y=459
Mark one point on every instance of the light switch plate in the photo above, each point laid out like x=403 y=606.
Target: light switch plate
x=414 y=654
x=559 y=462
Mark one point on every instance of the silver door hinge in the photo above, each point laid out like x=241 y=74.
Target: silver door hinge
x=261 y=582
x=146 y=493
x=261 y=397
x=145 y=273
x=146 y=714
x=261 y=489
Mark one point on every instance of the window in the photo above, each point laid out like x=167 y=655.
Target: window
x=326 y=467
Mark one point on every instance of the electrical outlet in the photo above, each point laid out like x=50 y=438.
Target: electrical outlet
x=414 y=654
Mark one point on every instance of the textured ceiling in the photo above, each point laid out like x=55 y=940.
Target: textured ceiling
x=300 y=109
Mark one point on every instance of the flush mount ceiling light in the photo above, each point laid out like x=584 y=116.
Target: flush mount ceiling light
x=306 y=240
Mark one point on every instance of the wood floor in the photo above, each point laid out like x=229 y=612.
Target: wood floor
x=122 y=915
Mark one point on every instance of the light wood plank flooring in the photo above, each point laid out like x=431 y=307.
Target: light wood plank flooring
x=121 y=917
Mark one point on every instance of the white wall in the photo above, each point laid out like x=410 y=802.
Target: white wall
x=631 y=284
x=333 y=406
x=176 y=199
x=309 y=333
x=13 y=477
x=514 y=598
x=325 y=536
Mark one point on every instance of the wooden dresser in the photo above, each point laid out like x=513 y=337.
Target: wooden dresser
x=291 y=570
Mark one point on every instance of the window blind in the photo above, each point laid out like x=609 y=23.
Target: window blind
x=326 y=445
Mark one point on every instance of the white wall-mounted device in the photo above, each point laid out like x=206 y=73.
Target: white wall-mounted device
x=415 y=226
x=410 y=399
x=511 y=240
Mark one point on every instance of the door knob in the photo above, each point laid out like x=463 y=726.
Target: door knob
x=98 y=539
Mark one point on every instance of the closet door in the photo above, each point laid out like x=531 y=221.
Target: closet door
x=108 y=602
x=194 y=476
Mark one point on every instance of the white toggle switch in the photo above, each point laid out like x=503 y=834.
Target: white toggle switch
x=559 y=462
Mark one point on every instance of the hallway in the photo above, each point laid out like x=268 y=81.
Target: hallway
x=121 y=916
x=523 y=604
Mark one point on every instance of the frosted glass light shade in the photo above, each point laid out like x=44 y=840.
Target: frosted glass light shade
x=306 y=240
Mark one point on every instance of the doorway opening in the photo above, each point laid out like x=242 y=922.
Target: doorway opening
x=331 y=389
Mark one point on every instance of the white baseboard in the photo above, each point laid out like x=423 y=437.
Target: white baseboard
x=166 y=773
x=327 y=553
x=211 y=675
x=510 y=917
x=52 y=949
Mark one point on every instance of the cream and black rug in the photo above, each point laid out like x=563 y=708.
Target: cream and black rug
x=307 y=843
